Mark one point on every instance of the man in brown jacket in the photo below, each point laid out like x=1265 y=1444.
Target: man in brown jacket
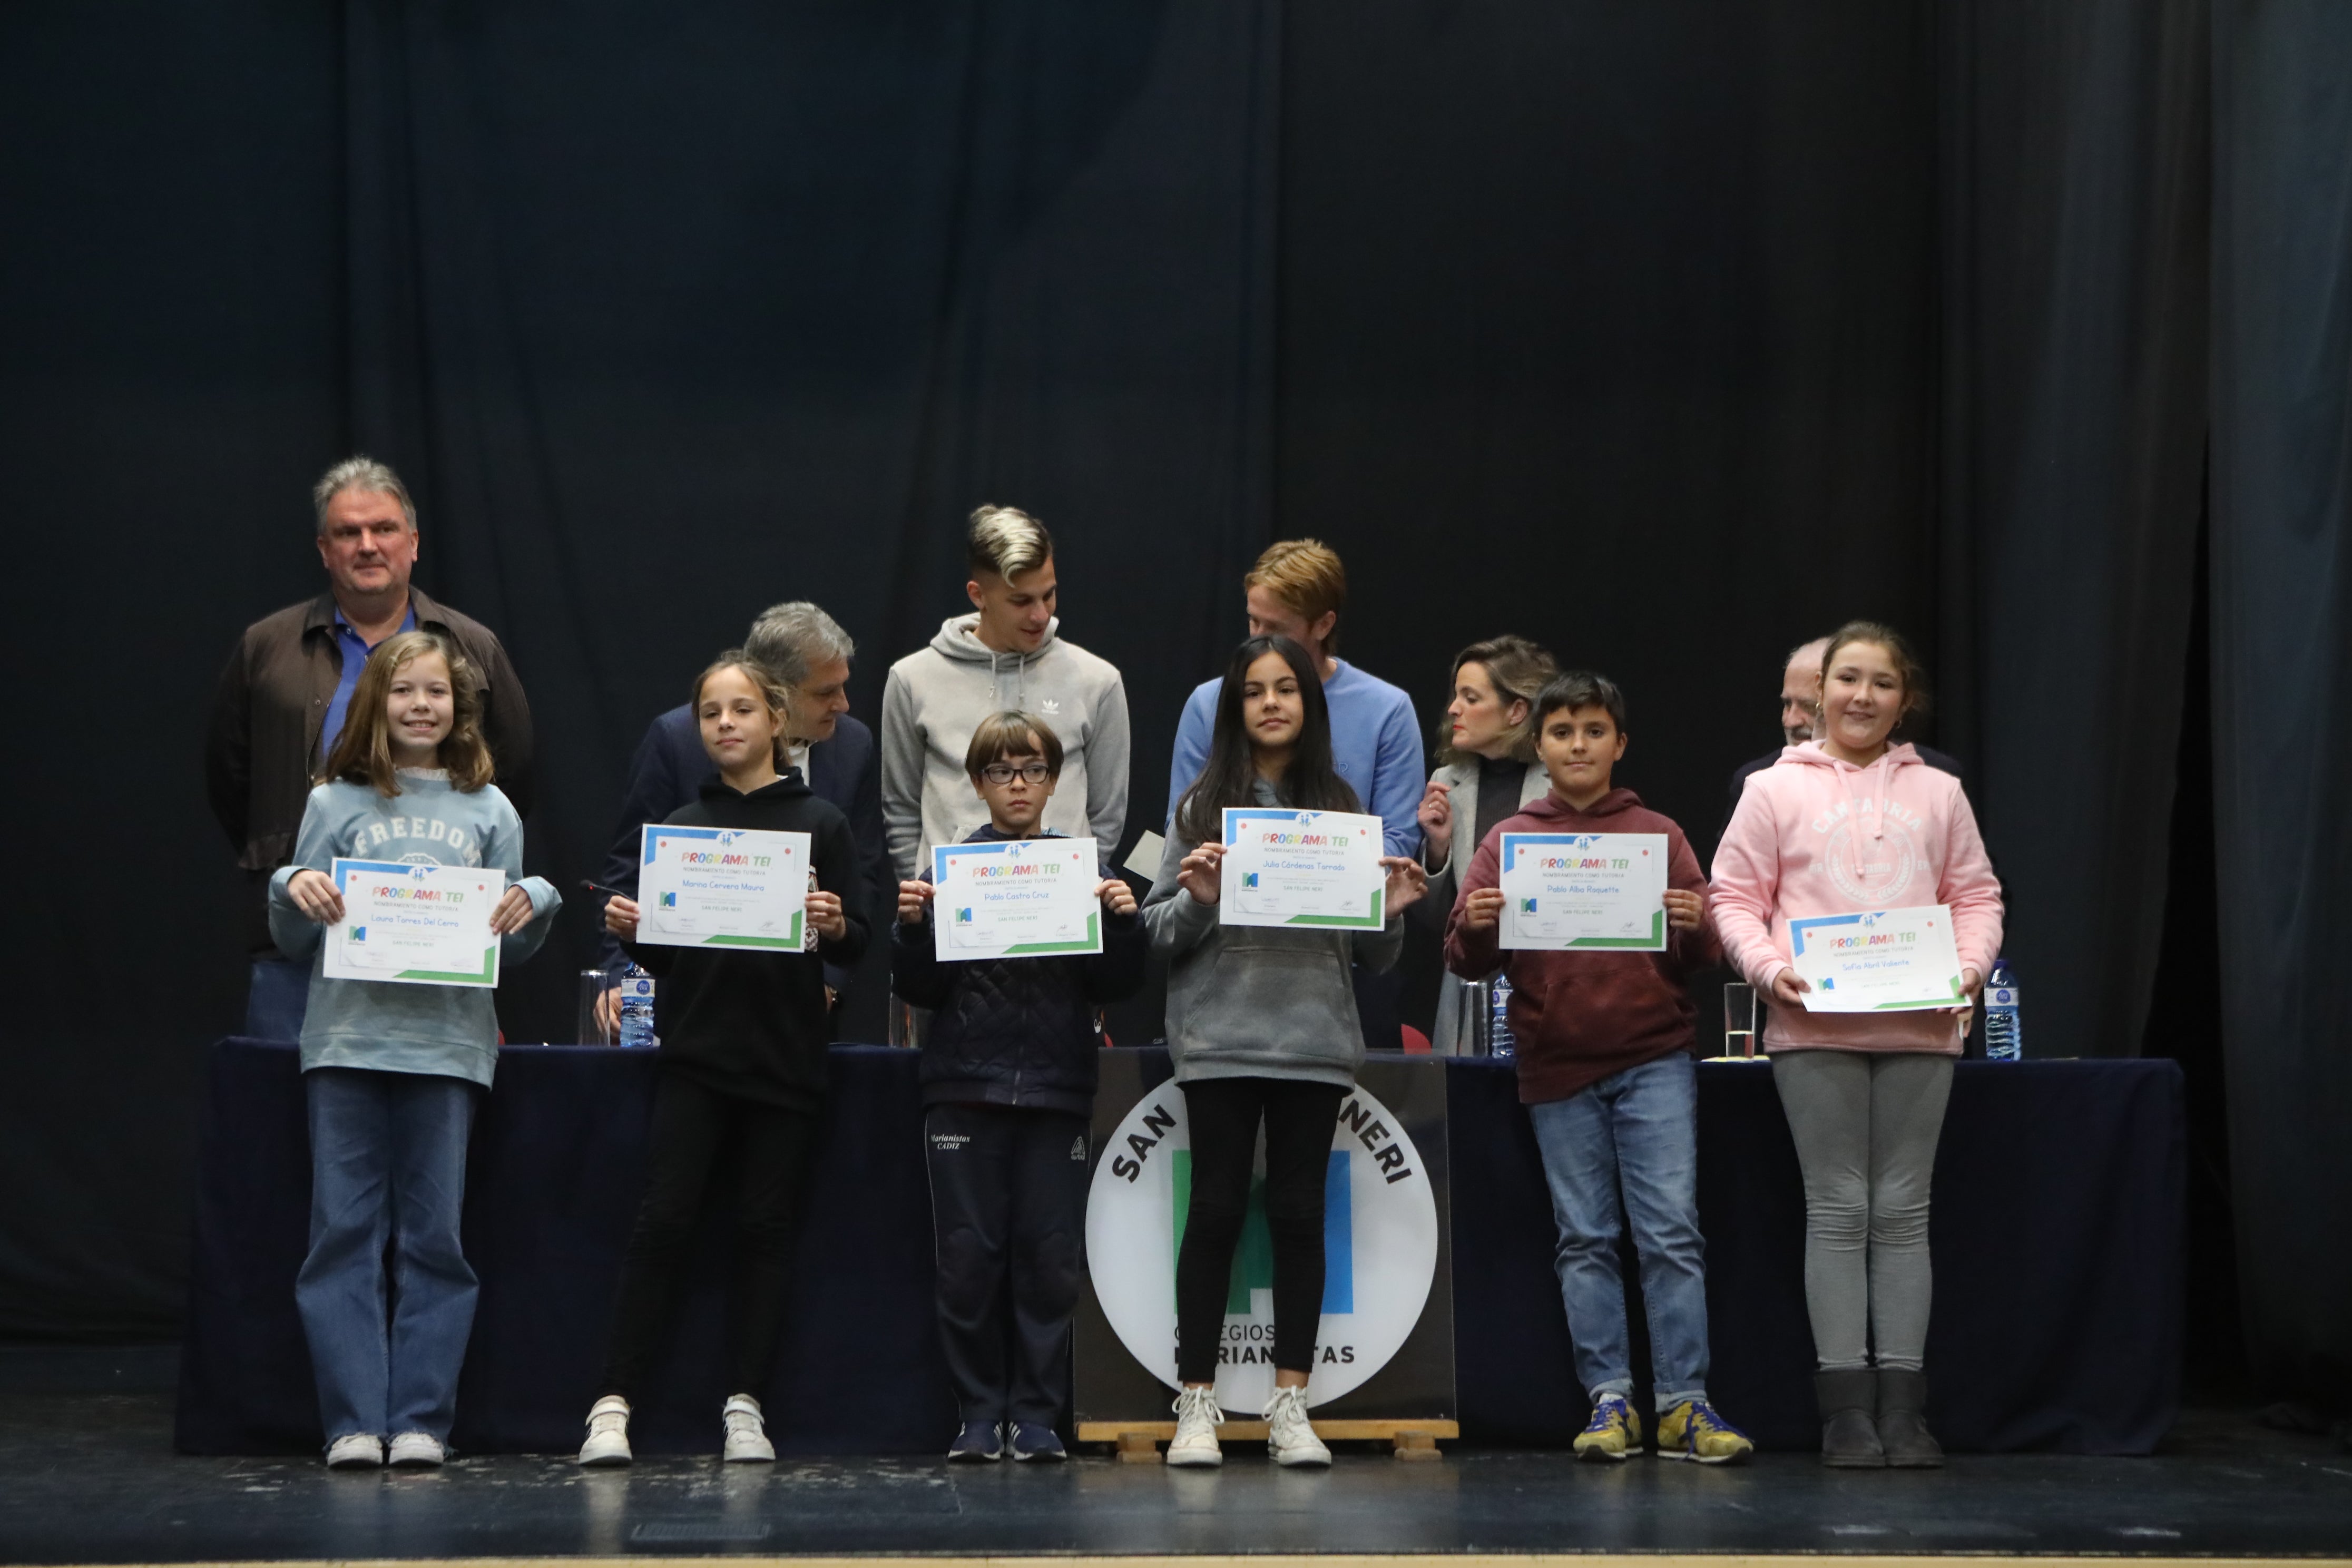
x=283 y=698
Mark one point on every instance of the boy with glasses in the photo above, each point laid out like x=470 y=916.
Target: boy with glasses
x=1008 y=1077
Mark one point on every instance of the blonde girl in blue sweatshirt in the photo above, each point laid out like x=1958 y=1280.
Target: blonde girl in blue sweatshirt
x=393 y=1072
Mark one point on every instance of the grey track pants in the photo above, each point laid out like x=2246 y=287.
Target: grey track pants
x=1865 y=1125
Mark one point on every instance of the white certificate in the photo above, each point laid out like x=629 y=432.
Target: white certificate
x=416 y=925
x=722 y=887
x=1886 y=961
x=1302 y=868
x=1016 y=898
x=1563 y=890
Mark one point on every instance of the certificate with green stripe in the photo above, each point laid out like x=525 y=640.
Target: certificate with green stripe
x=1014 y=898
x=414 y=924
x=1878 y=961
x=1576 y=890
x=722 y=887
x=1302 y=868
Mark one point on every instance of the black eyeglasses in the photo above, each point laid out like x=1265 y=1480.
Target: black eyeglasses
x=1001 y=772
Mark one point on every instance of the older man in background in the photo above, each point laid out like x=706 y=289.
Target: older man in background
x=1801 y=695
x=283 y=696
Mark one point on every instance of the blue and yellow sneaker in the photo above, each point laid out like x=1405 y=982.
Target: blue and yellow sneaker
x=1613 y=1433
x=1692 y=1430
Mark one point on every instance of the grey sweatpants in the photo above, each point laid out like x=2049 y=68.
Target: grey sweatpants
x=1865 y=1124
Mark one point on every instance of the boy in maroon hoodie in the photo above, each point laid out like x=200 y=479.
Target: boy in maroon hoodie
x=1606 y=1042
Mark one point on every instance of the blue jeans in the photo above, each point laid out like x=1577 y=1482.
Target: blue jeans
x=1637 y=1129
x=387 y=1163
x=276 y=998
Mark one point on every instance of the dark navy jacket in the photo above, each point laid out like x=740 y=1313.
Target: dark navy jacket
x=1014 y=1031
x=668 y=774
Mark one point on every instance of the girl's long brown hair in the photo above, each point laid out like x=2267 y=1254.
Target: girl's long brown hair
x=362 y=754
x=1230 y=777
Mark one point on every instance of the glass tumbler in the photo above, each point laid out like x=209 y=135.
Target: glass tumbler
x=1740 y=1022
x=589 y=1028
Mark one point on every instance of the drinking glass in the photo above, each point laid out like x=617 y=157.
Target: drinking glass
x=589 y=1030
x=1738 y=1022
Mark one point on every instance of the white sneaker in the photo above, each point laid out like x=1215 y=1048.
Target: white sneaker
x=747 y=1434
x=417 y=1450
x=1197 y=1420
x=1290 y=1440
x=355 y=1451
x=608 y=1432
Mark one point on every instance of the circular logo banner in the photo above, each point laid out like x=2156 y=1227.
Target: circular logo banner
x=1380 y=1250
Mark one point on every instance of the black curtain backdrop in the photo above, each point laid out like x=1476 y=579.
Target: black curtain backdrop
x=664 y=316
x=2282 y=658
x=1670 y=335
x=1614 y=326
x=2074 y=238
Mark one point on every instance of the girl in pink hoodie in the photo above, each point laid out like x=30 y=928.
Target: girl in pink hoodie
x=1851 y=821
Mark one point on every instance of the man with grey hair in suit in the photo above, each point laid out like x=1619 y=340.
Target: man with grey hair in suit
x=809 y=652
x=1801 y=694
x=282 y=698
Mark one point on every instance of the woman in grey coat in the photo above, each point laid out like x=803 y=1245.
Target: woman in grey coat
x=1263 y=1030
x=1488 y=751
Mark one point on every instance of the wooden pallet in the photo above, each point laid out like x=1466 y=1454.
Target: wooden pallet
x=1138 y=1441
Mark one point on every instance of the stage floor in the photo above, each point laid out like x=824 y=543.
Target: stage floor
x=91 y=1477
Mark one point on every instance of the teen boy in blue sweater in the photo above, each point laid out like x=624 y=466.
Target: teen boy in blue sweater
x=1008 y=1076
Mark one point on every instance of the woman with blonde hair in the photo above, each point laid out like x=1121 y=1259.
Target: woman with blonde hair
x=1486 y=747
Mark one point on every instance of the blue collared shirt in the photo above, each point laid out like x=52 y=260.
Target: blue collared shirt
x=356 y=655
x=1375 y=746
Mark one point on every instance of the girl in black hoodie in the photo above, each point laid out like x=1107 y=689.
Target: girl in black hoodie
x=742 y=1070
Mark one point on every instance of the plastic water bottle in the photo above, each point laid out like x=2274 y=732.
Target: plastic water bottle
x=2004 y=1029
x=1500 y=1041
x=638 y=1008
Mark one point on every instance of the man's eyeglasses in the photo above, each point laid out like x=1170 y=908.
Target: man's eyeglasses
x=1001 y=772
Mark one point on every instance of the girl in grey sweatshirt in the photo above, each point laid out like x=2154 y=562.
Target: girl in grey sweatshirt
x=1261 y=1026
x=393 y=1072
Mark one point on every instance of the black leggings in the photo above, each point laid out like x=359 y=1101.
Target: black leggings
x=1225 y=1113
x=767 y=1149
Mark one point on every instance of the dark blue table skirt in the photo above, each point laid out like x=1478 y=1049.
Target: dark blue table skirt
x=2057 y=1241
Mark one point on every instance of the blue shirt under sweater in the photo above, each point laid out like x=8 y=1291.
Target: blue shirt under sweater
x=392 y=1025
x=355 y=651
x=1375 y=746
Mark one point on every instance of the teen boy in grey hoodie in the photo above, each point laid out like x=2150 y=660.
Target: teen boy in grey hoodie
x=1005 y=656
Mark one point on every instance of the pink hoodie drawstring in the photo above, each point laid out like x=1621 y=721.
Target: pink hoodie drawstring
x=1868 y=813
